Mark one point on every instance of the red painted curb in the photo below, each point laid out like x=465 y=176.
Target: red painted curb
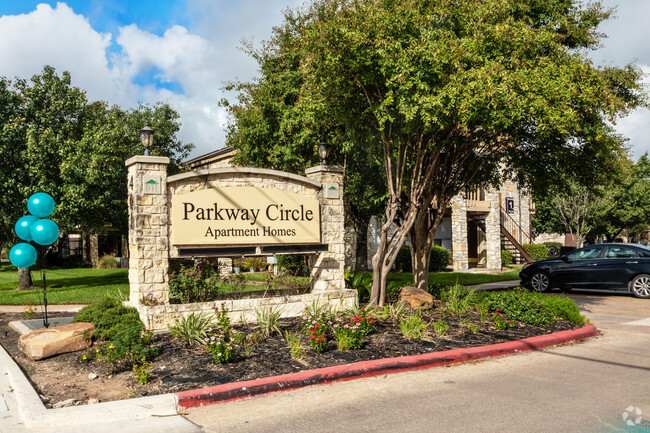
x=239 y=390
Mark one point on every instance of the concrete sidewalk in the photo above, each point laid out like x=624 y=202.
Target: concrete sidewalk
x=21 y=409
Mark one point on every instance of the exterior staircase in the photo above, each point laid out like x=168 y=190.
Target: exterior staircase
x=510 y=231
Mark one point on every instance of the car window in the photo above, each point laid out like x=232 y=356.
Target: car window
x=585 y=253
x=617 y=252
x=644 y=253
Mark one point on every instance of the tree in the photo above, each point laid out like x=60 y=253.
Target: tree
x=54 y=140
x=599 y=208
x=453 y=90
x=269 y=130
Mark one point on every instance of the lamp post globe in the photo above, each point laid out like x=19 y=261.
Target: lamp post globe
x=146 y=138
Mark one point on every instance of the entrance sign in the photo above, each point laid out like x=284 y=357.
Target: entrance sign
x=244 y=216
x=224 y=213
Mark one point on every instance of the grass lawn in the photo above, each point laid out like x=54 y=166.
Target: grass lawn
x=84 y=285
x=65 y=286
x=462 y=278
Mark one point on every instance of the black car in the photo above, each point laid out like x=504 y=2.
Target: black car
x=603 y=266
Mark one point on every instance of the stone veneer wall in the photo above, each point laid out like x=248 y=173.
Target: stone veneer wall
x=493 y=231
x=459 y=233
x=150 y=231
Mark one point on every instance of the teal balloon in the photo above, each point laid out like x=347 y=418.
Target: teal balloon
x=45 y=232
x=23 y=227
x=40 y=204
x=22 y=255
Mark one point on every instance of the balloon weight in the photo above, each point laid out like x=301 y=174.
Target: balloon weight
x=40 y=204
x=22 y=255
x=23 y=227
x=45 y=232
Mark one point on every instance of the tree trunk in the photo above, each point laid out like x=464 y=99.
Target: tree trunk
x=361 y=230
x=24 y=278
x=387 y=250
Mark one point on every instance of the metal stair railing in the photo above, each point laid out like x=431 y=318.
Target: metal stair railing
x=509 y=226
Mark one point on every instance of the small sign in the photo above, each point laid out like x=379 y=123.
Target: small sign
x=272 y=260
x=151 y=184
x=510 y=205
x=332 y=190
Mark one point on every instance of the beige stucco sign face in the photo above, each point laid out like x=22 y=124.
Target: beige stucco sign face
x=244 y=216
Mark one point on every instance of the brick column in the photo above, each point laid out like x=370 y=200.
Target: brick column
x=148 y=230
x=459 y=233
x=327 y=272
x=493 y=231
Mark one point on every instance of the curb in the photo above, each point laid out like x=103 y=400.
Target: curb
x=250 y=388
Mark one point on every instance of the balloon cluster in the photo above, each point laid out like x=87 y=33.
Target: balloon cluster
x=34 y=227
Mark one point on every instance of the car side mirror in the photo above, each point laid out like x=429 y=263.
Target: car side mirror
x=564 y=258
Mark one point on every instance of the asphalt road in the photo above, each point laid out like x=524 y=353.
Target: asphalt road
x=596 y=386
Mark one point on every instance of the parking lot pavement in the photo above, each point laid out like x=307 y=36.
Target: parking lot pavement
x=614 y=310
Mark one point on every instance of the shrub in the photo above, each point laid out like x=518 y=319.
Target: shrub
x=439 y=259
x=191 y=329
x=361 y=282
x=440 y=327
x=393 y=288
x=198 y=283
x=254 y=263
x=348 y=336
x=506 y=258
x=293 y=265
x=107 y=261
x=316 y=326
x=436 y=289
x=554 y=248
x=109 y=316
x=523 y=306
x=268 y=320
x=501 y=321
x=459 y=299
x=142 y=372
x=537 y=251
x=565 y=308
x=293 y=341
x=128 y=346
x=403 y=260
x=412 y=327
x=222 y=341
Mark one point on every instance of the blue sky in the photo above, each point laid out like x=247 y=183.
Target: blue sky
x=183 y=51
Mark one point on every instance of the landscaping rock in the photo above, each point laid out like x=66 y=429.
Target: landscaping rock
x=65 y=403
x=47 y=342
x=415 y=298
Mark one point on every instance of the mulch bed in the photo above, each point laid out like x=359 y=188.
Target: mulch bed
x=180 y=368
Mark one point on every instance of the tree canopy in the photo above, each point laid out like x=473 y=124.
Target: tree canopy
x=52 y=139
x=448 y=94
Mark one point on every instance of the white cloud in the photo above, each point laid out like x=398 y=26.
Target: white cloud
x=56 y=37
x=65 y=40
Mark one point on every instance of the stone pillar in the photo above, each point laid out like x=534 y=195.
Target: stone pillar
x=493 y=231
x=94 y=250
x=459 y=233
x=148 y=230
x=524 y=199
x=327 y=272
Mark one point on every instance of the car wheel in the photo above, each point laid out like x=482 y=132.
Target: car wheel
x=540 y=282
x=640 y=286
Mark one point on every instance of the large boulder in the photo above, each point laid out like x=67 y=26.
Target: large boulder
x=46 y=342
x=415 y=298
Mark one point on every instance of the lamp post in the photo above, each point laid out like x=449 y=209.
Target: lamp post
x=323 y=151
x=146 y=138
